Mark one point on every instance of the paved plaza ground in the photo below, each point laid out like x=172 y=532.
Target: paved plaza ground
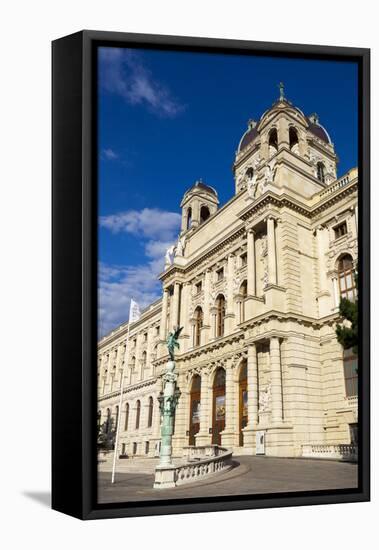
x=250 y=475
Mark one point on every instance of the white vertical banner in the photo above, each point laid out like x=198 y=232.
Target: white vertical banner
x=134 y=315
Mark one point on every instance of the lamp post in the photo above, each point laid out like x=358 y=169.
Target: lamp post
x=168 y=400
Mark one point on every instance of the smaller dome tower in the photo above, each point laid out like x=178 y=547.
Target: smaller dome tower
x=198 y=204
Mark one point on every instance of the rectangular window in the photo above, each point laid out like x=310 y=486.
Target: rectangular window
x=147 y=445
x=220 y=274
x=198 y=287
x=350 y=366
x=157 y=329
x=243 y=259
x=340 y=230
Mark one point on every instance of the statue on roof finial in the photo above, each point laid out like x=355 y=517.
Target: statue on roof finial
x=281 y=91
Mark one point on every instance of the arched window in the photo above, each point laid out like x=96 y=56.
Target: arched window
x=321 y=172
x=144 y=359
x=293 y=139
x=126 y=417
x=150 y=413
x=346 y=277
x=199 y=317
x=273 y=141
x=138 y=413
x=204 y=213
x=133 y=363
x=189 y=217
x=249 y=173
x=220 y=315
x=243 y=294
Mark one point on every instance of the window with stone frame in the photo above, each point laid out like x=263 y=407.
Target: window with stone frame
x=138 y=413
x=220 y=274
x=346 y=277
x=199 y=318
x=340 y=230
x=350 y=367
x=321 y=172
x=198 y=287
x=126 y=417
x=150 y=413
x=243 y=259
x=220 y=316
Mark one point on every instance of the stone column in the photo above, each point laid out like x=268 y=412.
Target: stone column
x=184 y=309
x=252 y=386
x=276 y=381
x=323 y=297
x=251 y=284
x=184 y=318
x=271 y=251
x=213 y=312
x=230 y=314
x=175 y=307
x=228 y=435
x=206 y=324
x=203 y=437
x=323 y=281
x=163 y=325
x=335 y=292
x=356 y=217
x=192 y=334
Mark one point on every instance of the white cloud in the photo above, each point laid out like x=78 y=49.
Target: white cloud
x=122 y=72
x=149 y=222
x=117 y=285
x=109 y=154
x=157 y=229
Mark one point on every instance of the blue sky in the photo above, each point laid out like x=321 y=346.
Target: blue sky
x=169 y=118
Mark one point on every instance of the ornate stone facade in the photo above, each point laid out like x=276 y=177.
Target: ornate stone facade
x=256 y=285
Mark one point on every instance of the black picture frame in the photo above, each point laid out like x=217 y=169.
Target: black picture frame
x=74 y=273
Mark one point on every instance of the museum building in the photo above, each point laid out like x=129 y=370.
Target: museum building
x=256 y=284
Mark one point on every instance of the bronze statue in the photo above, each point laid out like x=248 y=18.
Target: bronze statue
x=172 y=341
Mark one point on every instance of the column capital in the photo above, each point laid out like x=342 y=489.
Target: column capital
x=251 y=231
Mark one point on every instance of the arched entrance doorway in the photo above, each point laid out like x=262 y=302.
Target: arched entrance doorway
x=242 y=423
x=194 y=425
x=218 y=423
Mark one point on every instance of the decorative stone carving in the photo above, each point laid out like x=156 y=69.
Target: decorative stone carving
x=265 y=399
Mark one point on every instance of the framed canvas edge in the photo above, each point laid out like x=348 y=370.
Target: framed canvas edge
x=89 y=508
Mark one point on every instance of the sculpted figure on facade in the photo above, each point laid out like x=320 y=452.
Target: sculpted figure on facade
x=265 y=399
x=169 y=257
x=179 y=251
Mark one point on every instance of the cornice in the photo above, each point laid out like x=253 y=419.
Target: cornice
x=129 y=389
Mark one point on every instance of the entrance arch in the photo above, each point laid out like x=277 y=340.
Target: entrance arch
x=218 y=416
x=194 y=423
x=242 y=399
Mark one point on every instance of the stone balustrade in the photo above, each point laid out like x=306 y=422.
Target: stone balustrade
x=348 y=452
x=335 y=186
x=202 y=462
x=198 y=469
x=192 y=453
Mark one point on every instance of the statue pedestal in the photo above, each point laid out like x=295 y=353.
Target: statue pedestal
x=164 y=477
